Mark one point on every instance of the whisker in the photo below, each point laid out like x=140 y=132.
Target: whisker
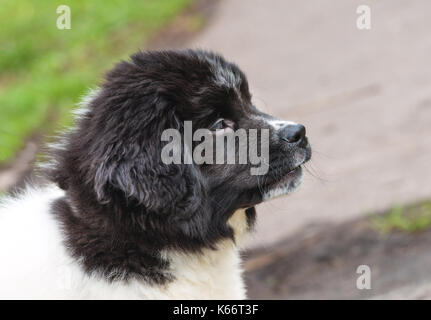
x=320 y=153
x=309 y=168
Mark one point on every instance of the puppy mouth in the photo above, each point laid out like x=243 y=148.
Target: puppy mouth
x=292 y=179
x=288 y=180
x=284 y=186
x=285 y=182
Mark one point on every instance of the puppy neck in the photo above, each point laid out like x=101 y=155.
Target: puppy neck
x=211 y=273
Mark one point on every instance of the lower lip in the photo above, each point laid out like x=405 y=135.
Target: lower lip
x=295 y=173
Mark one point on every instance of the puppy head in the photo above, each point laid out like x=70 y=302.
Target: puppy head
x=112 y=161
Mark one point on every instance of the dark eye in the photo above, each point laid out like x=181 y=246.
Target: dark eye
x=221 y=124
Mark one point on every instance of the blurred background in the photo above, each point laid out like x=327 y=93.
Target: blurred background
x=363 y=94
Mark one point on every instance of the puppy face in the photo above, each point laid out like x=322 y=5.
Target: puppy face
x=111 y=163
x=219 y=100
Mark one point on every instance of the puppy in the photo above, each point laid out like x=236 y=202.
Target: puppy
x=115 y=221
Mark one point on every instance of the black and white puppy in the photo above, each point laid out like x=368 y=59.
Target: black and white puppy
x=115 y=221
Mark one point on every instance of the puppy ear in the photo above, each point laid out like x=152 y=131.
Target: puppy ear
x=132 y=167
x=158 y=187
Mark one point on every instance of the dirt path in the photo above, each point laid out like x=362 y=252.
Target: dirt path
x=365 y=97
x=322 y=264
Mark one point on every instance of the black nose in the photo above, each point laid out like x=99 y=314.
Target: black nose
x=293 y=133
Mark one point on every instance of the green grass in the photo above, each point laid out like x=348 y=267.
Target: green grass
x=44 y=71
x=414 y=218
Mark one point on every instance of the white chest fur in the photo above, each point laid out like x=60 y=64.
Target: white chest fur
x=35 y=263
x=213 y=274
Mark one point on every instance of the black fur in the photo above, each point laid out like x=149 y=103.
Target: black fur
x=123 y=205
